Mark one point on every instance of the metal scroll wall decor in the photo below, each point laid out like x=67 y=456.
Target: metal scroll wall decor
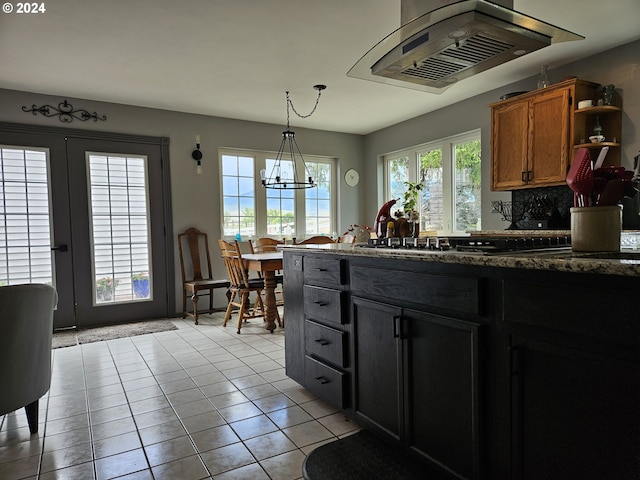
x=65 y=112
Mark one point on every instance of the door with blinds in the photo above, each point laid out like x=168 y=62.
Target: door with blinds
x=87 y=215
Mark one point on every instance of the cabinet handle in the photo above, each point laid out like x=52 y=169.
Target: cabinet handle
x=321 y=303
x=396 y=326
x=514 y=360
x=321 y=269
x=322 y=341
x=322 y=380
x=523 y=176
x=529 y=175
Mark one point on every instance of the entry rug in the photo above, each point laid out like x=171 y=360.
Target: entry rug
x=363 y=456
x=67 y=338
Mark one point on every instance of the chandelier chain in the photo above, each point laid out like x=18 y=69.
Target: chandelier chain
x=290 y=103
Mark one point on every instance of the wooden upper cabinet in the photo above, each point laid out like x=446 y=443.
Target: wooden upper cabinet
x=549 y=143
x=532 y=136
x=509 y=135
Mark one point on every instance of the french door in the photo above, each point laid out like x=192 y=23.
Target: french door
x=91 y=211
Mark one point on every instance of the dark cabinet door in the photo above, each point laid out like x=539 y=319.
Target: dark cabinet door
x=575 y=414
x=442 y=370
x=377 y=364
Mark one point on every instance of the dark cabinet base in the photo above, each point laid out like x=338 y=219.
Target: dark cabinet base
x=574 y=414
x=484 y=373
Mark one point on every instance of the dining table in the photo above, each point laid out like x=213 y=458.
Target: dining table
x=267 y=264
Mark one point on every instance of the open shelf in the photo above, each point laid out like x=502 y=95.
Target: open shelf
x=596 y=145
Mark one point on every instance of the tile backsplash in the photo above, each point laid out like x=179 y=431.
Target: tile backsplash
x=545 y=207
x=531 y=205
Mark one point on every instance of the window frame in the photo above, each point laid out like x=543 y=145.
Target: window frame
x=447 y=146
x=260 y=198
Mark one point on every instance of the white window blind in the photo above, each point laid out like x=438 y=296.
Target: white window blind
x=25 y=221
x=120 y=239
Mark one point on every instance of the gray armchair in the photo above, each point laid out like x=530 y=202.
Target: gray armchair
x=26 y=319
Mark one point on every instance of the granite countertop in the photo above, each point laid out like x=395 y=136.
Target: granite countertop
x=626 y=263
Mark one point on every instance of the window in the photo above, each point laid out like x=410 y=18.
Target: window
x=450 y=173
x=318 y=200
x=252 y=210
x=281 y=208
x=238 y=195
x=120 y=237
x=25 y=221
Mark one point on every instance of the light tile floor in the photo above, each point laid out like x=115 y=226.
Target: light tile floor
x=195 y=403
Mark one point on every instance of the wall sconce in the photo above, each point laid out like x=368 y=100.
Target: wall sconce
x=197 y=156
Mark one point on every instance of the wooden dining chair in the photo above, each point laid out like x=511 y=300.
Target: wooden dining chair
x=197 y=274
x=265 y=245
x=241 y=285
x=316 y=240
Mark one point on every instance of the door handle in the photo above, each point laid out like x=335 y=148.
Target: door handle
x=61 y=248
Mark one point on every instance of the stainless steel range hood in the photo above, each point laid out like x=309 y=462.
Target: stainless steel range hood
x=443 y=46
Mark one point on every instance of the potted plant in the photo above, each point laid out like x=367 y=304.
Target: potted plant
x=410 y=197
x=105 y=288
x=410 y=207
x=140 y=282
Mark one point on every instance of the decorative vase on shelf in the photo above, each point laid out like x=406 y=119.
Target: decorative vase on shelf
x=608 y=93
x=543 y=79
x=597 y=129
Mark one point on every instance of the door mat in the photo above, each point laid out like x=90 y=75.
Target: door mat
x=68 y=338
x=363 y=456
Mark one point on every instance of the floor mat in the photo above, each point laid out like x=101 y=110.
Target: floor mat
x=67 y=338
x=363 y=456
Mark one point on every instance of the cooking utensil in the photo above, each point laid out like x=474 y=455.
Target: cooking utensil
x=630 y=188
x=601 y=155
x=580 y=178
x=613 y=192
x=636 y=167
x=625 y=174
x=598 y=186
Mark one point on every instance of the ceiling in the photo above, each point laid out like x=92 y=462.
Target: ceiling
x=236 y=58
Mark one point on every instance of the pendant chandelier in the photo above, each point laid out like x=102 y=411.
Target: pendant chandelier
x=279 y=176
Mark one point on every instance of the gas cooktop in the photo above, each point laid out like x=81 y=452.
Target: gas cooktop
x=487 y=244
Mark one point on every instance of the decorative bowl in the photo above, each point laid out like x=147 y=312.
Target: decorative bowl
x=596 y=138
x=585 y=104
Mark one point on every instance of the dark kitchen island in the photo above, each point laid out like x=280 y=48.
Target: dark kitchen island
x=513 y=366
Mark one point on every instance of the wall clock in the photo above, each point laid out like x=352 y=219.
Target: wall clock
x=352 y=177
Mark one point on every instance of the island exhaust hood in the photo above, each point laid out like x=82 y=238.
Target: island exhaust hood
x=434 y=50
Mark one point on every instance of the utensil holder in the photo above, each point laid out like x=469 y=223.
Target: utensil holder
x=596 y=229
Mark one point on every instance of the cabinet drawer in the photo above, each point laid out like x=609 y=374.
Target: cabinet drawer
x=325 y=382
x=326 y=272
x=450 y=292
x=326 y=343
x=324 y=304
